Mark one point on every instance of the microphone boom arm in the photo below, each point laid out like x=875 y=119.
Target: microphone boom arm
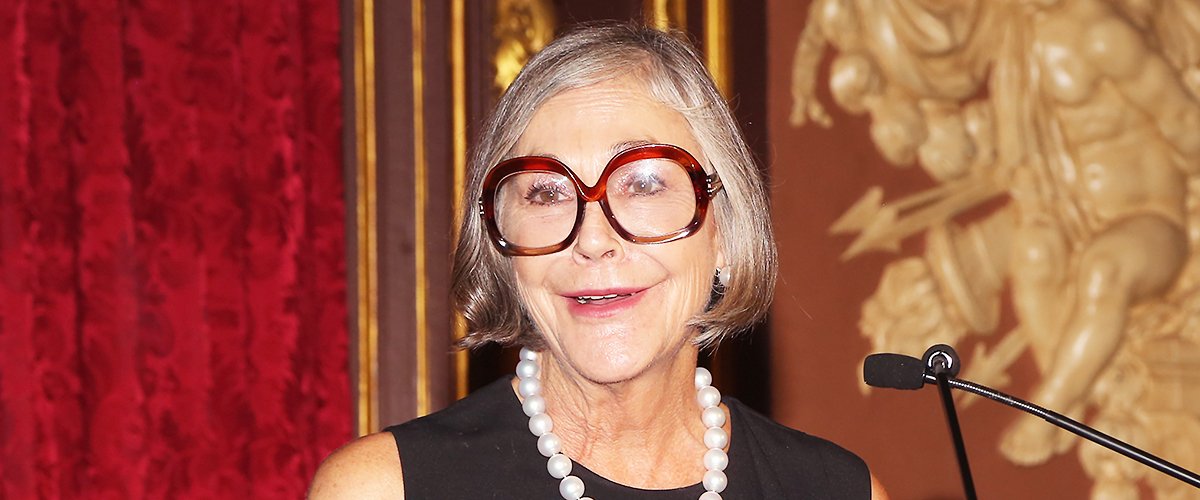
x=1075 y=427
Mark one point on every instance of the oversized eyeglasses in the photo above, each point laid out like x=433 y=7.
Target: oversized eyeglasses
x=654 y=193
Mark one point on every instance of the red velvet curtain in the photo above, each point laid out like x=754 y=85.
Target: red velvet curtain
x=172 y=262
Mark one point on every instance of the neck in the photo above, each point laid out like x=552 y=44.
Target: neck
x=643 y=432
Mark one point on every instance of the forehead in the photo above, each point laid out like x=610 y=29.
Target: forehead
x=588 y=125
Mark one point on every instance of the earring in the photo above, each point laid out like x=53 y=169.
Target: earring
x=723 y=276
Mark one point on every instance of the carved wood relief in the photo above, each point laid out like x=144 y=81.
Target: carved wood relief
x=1084 y=117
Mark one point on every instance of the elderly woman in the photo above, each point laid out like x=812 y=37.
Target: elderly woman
x=621 y=226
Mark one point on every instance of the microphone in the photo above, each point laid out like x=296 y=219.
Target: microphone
x=894 y=371
x=940 y=362
x=940 y=365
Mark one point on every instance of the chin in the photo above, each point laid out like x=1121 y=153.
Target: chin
x=611 y=374
x=605 y=361
x=614 y=364
x=618 y=351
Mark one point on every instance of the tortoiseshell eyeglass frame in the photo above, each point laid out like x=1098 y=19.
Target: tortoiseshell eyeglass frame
x=704 y=185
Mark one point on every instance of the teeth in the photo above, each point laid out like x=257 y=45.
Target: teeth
x=584 y=299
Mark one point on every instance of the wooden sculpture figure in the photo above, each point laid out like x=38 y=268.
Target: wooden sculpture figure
x=1085 y=114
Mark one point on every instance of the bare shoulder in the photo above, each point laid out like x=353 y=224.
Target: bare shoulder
x=877 y=491
x=368 y=467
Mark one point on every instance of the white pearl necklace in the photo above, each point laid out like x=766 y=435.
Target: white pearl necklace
x=571 y=487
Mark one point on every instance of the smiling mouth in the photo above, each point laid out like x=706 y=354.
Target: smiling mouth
x=600 y=299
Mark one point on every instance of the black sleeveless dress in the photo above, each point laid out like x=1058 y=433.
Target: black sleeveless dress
x=481 y=447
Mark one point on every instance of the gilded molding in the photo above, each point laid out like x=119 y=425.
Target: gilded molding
x=420 y=201
x=367 y=328
x=716 y=45
x=458 y=77
x=666 y=14
x=521 y=28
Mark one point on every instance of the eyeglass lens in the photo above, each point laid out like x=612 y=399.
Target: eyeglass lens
x=649 y=198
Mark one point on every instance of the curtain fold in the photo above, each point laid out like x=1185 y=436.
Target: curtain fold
x=172 y=252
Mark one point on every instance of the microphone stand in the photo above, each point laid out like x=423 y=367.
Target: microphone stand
x=960 y=449
x=943 y=362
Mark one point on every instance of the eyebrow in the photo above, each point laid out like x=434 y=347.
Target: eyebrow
x=629 y=144
x=612 y=151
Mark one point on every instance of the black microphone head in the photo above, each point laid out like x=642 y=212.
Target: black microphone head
x=893 y=371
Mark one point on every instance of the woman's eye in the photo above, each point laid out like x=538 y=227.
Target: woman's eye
x=644 y=185
x=546 y=194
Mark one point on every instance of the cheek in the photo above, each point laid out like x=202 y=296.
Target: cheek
x=695 y=269
x=529 y=275
x=706 y=251
x=528 y=271
x=701 y=286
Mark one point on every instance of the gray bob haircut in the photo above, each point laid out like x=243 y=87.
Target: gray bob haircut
x=484 y=284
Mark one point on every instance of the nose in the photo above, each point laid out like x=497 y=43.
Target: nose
x=596 y=239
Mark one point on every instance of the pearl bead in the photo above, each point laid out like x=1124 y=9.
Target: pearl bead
x=540 y=424
x=558 y=465
x=707 y=397
x=529 y=387
x=703 y=377
x=533 y=405
x=715 y=480
x=549 y=444
x=714 y=459
x=714 y=437
x=527 y=369
x=528 y=354
x=571 y=488
x=710 y=495
x=712 y=416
